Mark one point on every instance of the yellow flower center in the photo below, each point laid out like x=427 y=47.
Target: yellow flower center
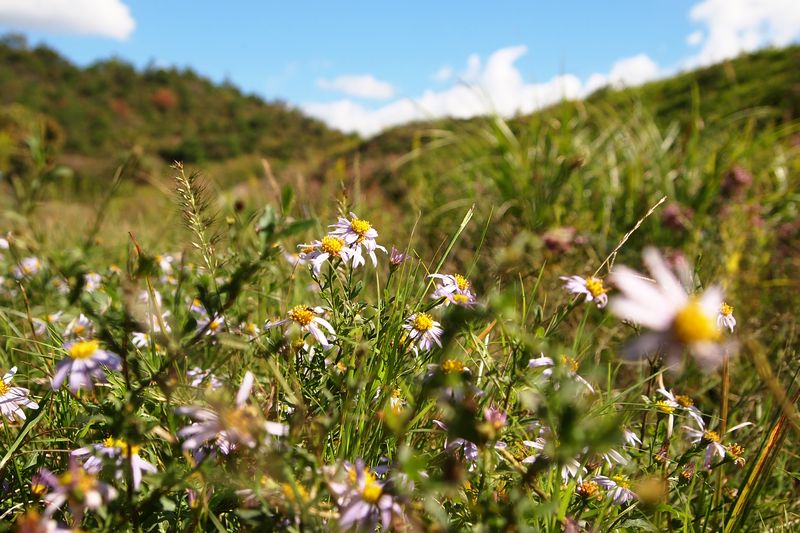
x=692 y=324
x=452 y=365
x=79 y=329
x=3 y=387
x=360 y=226
x=725 y=309
x=570 y=363
x=588 y=489
x=250 y=328
x=372 y=492
x=621 y=482
x=83 y=349
x=460 y=298
x=462 y=283
x=215 y=324
x=39 y=489
x=302 y=314
x=332 y=245
x=197 y=303
x=665 y=407
x=710 y=436
x=423 y=322
x=683 y=401
x=341 y=367
x=595 y=286
x=120 y=444
x=292 y=491
x=83 y=484
x=242 y=421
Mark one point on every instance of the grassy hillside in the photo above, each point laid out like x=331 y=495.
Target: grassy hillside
x=176 y=114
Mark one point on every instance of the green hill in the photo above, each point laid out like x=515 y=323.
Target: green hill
x=177 y=114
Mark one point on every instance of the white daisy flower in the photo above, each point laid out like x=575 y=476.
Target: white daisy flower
x=115 y=452
x=84 y=363
x=618 y=488
x=13 y=399
x=29 y=266
x=571 y=469
x=250 y=329
x=305 y=317
x=357 y=234
x=631 y=438
x=76 y=487
x=92 y=281
x=226 y=426
x=677 y=320
x=140 y=340
x=329 y=248
x=682 y=403
x=211 y=326
x=455 y=289
x=571 y=365
x=592 y=288
x=164 y=262
x=711 y=440
x=423 y=329
x=198 y=308
x=363 y=501
x=198 y=377
x=40 y=324
x=725 y=318
x=79 y=327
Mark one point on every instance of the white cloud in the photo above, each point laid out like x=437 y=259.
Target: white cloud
x=736 y=26
x=359 y=86
x=729 y=27
x=498 y=86
x=443 y=74
x=694 y=38
x=107 y=18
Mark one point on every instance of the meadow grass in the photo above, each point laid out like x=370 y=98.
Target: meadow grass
x=334 y=392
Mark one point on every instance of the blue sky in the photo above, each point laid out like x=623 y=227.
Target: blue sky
x=365 y=65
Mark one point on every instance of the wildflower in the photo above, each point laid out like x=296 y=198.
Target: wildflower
x=92 y=281
x=164 y=262
x=3 y=243
x=13 y=399
x=454 y=289
x=76 y=487
x=40 y=324
x=702 y=436
x=211 y=326
x=736 y=453
x=631 y=438
x=79 y=327
x=589 y=490
x=227 y=425
x=571 y=468
x=357 y=234
x=305 y=317
x=250 y=329
x=725 y=318
x=396 y=402
x=678 y=402
x=467 y=450
x=425 y=330
x=569 y=363
x=116 y=452
x=396 y=257
x=198 y=308
x=198 y=377
x=330 y=247
x=29 y=266
x=140 y=340
x=363 y=500
x=33 y=522
x=591 y=287
x=677 y=320
x=495 y=417
x=85 y=361
x=618 y=488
